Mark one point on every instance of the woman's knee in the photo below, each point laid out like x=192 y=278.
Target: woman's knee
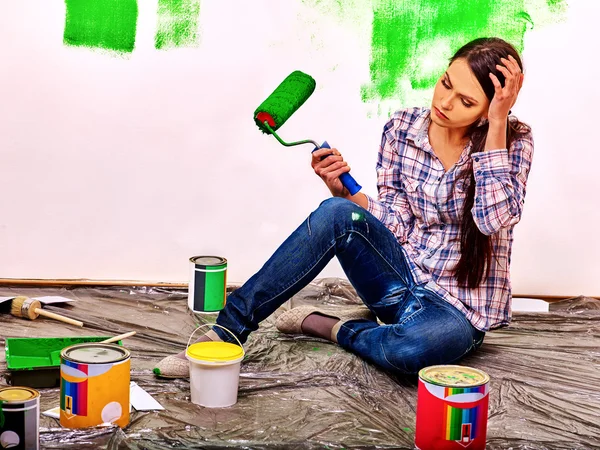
x=340 y=210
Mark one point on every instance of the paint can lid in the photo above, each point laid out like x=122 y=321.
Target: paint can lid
x=95 y=353
x=208 y=260
x=17 y=394
x=454 y=376
x=214 y=351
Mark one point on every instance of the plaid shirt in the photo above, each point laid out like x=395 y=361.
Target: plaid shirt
x=422 y=205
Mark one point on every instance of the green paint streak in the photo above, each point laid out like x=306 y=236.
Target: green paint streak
x=104 y=24
x=413 y=40
x=1 y=414
x=177 y=24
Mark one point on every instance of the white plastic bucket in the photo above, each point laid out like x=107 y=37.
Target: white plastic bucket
x=214 y=371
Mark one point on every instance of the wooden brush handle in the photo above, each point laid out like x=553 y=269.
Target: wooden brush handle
x=118 y=338
x=52 y=315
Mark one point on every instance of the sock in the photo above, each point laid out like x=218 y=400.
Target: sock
x=316 y=324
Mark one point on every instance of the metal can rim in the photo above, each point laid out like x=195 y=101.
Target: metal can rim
x=35 y=395
x=64 y=352
x=221 y=261
x=422 y=377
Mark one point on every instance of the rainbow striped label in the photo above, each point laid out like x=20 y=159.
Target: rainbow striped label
x=74 y=389
x=460 y=424
x=92 y=394
x=451 y=418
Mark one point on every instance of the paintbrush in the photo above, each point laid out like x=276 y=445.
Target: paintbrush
x=31 y=308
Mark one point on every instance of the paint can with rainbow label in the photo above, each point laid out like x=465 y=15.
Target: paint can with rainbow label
x=94 y=385
x=452 y=408
x=19 y=418
x=207 y=290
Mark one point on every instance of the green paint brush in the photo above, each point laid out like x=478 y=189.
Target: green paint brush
x=289 y=96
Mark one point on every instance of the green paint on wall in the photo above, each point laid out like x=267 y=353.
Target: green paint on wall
x=103 y=24
x=177 y=24
x=413 y=40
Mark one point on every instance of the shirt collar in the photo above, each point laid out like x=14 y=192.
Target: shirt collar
x=417 y=132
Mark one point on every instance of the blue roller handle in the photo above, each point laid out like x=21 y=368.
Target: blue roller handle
x=347 y=180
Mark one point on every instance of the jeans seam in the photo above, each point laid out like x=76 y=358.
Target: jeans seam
x=414 y=313
x=323 y=255
x=409 y=288
x=293 y=282
x=347 y=328
x=468 y=326
x=388 y=361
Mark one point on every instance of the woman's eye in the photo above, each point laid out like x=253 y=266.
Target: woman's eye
x=445 y=84
x=467 y=105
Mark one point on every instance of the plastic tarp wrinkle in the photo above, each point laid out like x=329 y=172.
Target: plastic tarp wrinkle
x=304 y=393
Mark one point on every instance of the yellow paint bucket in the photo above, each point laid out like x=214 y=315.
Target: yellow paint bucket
x=214 y=371
x=94 y=385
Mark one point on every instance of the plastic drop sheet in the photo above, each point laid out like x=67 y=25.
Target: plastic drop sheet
x=305 y=393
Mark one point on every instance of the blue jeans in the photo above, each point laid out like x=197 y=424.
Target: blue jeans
x=419 y=328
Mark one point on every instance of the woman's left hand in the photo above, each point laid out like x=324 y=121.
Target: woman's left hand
x=505 y=97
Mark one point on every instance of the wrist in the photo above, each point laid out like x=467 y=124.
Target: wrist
x=498 y=123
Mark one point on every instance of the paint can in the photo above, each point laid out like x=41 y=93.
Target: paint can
x=207 y=290
x=94 y=385
x=19 y=418
x=214 y=371
x=452 y=408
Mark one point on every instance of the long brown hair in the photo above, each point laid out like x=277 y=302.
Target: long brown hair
x=482 y=55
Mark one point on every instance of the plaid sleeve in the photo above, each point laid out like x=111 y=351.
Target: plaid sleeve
x=500 y=182
x=391 y=207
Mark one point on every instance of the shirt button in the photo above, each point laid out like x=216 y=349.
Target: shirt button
x=477 y=159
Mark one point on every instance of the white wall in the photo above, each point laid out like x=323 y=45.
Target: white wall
x=124 y=167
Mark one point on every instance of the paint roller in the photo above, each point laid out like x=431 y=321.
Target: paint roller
x=285 y=101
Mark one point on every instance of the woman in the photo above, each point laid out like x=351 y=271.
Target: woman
x=430 y=256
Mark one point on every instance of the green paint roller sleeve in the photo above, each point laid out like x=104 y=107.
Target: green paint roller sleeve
x=284 y=101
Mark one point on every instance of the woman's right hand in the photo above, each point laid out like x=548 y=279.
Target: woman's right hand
x=329 y=168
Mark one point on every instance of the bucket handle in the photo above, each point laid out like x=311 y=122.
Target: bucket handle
x=214 y=325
